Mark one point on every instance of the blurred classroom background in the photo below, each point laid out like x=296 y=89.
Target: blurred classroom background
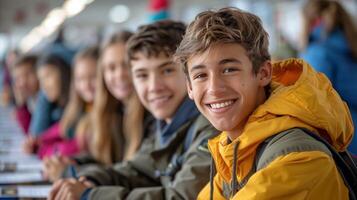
x=32 y=24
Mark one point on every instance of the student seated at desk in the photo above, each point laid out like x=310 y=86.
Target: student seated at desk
x=55 y=76
x=25 y=89
x=235 y=85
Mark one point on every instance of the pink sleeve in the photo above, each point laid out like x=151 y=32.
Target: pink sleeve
x=65 y=147
x=51 y=135
x=23 y=117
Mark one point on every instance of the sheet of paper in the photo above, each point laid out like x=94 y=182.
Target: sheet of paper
x=16 y=167
x=13 y=166
x=19 y=158
x=35 y=191
x=20 y=177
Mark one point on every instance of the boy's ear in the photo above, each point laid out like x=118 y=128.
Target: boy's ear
x=265 y=73
x=189 y=88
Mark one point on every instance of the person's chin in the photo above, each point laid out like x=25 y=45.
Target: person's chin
x=160 y=115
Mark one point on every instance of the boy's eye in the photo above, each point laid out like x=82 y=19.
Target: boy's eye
x=229 y=69
x=168 y=70
x=199 y=76
x=140 y=76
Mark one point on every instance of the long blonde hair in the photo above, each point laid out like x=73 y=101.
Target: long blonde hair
x=333 y=15
x=113 y=141
x=76 y=105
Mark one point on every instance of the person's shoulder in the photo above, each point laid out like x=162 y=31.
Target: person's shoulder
x=205 y=132
x=294 y=140
x=203 y=125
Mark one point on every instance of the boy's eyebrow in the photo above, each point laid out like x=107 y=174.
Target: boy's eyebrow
x=140 y=69
x=221 y=62
x=164 y=64
x=229 y=60
x=197 y=67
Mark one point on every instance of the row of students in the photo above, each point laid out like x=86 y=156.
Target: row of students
x=113 y=129
x=173 y=161
x=67 y=136
x=228 y=73
x=106 y=131
x=119 y=121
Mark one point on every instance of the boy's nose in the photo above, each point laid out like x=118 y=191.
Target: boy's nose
x=216 y=85
x=155 y=84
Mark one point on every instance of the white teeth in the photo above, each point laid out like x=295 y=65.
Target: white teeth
x=221 y=105
x=160 y=99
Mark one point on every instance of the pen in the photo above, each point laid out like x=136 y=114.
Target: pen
x=73 y=171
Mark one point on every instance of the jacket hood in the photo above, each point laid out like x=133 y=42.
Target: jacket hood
x=300 y=97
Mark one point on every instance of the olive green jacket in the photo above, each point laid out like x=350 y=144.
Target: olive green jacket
x=156 y=172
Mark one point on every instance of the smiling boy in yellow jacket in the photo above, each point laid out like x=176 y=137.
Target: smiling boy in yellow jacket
x=237 y=88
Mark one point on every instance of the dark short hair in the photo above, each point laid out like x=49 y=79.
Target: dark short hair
x=159 y=37
x=29 y=60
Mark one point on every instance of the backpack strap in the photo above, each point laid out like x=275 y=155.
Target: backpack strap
x=283 y=143
x=286 y=142
x=301 y=140
x=345 y=164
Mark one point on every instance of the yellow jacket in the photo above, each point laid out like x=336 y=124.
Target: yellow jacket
x=300 y=97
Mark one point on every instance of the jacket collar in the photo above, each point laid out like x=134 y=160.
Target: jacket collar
x=186 y=112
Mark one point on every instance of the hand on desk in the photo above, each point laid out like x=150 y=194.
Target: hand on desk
x=30 y=144
x=54 y=166
x=69 y=189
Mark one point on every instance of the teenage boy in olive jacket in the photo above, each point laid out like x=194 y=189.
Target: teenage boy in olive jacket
x=174 y=162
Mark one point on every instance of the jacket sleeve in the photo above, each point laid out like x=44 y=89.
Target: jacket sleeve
x=41 y=118
x=51 y=135
x=23 y=117
x=128 y=174
x=85 y=158
x=313 y=175
x=187 y=182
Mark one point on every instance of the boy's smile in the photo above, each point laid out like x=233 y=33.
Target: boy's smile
x=224 y=86
x=221 y=106
x=159 y=101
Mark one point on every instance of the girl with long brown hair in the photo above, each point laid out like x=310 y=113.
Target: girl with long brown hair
x=118 y=113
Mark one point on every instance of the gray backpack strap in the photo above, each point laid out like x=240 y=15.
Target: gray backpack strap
x=300 y=140
x=286 y=142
